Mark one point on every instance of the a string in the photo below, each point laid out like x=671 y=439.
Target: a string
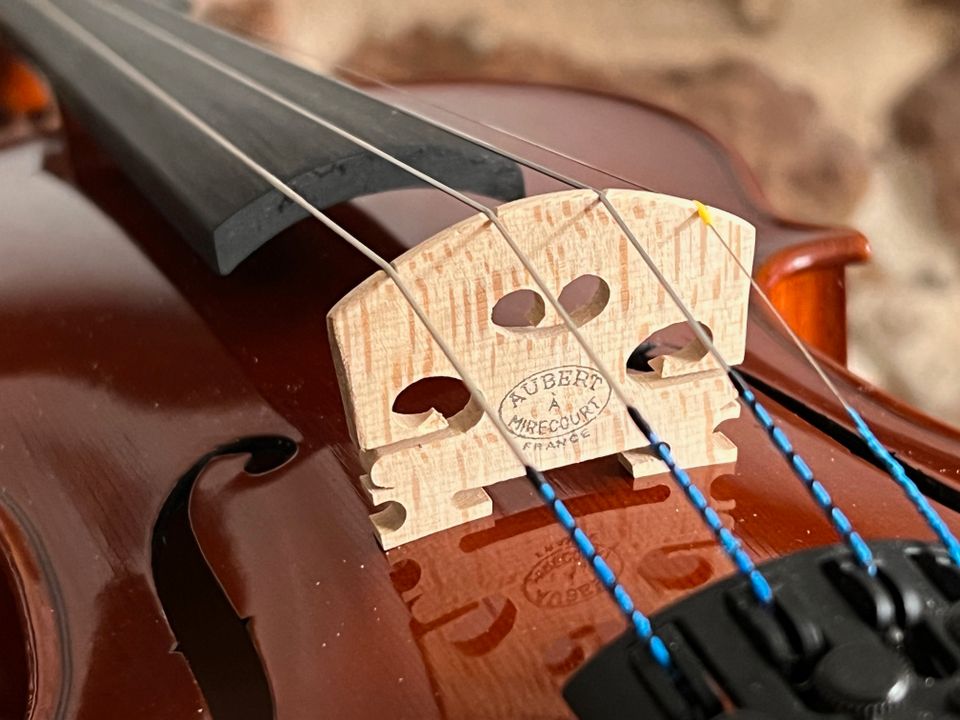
x=892 y=466
x=795 y=462
x=726 y=538
x=640 y=623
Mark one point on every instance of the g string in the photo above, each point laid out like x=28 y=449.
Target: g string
x=727 y=540
x=886 y=459
x=606 y=576
x=798 y=466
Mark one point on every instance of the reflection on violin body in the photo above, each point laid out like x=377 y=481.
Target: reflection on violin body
x=484 y=591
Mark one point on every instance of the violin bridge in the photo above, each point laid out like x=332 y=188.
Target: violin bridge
x=428 y=450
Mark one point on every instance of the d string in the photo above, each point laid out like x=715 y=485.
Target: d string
x=795 y=462
x=604 y=573
x=880 y=452
x=730 y=544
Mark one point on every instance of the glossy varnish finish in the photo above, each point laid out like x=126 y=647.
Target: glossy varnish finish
x=123 y=361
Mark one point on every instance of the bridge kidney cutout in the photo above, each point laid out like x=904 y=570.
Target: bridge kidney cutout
x=584 y=298
x=519 y=309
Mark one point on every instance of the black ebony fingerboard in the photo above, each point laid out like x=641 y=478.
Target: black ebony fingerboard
x=223 y=209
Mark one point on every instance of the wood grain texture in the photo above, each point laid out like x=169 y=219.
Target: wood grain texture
x=426 y=472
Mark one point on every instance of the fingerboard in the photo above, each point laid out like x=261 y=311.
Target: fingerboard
x=223 y=209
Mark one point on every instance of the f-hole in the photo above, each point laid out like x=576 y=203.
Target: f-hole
x=211 y=637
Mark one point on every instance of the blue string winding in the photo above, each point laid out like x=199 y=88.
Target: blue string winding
x=818 y=492
x=640 y=622
x=605 y=574
x=727 y=540
x=896 y=471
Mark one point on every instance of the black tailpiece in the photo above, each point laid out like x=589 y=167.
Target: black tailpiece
x=837 y=644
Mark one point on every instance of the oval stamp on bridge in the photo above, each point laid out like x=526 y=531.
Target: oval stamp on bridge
x=552 y=408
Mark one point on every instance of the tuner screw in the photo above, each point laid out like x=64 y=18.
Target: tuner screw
x=862 y=678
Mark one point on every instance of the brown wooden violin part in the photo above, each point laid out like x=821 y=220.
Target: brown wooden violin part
x=184 y=529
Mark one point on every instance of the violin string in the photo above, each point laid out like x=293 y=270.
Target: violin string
x=604 y=573
x=880 y=452
x=728 y=541
x=795 y=462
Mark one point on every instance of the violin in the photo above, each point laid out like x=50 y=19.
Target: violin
x=313 y=405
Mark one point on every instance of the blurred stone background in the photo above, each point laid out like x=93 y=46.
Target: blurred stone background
x=848 y=112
